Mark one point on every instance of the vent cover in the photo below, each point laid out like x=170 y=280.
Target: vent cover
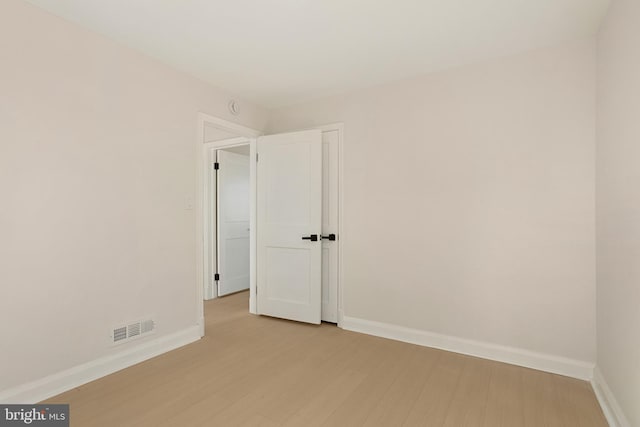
x=132 y=330
x=119 y=334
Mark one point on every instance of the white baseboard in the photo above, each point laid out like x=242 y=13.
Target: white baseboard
x=610 y=407
x=55 y=384
x=515 y=356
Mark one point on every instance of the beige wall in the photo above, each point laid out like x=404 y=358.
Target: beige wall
x=97 y=156
x=618 y=209
x=469 y=200
x=469 y=197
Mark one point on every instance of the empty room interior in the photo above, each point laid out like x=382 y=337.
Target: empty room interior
x=327 y=213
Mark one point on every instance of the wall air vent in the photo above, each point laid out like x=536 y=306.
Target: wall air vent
x=119 y=334
x=132 y=330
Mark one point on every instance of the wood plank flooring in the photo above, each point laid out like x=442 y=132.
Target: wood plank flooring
x=259 y=371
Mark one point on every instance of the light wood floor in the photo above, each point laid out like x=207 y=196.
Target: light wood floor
x=257 y=371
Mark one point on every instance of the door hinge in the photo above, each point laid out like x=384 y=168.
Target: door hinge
x=256 y=157
x=216 y=166
x=216 y=277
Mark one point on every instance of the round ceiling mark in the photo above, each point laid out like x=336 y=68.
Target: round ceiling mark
x=233 y=107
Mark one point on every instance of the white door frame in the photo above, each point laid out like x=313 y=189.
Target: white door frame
x=203 y=232
x=205 y=213
x=339 y=127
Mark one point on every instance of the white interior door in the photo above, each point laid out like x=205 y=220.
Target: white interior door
x=330 y=214
x=289 y=215
x=233 y=222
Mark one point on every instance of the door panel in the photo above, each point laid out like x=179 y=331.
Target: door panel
x=286 y=284
x=233 y=222
x=289 y=207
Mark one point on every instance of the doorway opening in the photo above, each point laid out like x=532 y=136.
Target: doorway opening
x=215 y=134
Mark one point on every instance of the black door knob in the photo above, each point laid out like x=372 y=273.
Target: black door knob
x=313 y=238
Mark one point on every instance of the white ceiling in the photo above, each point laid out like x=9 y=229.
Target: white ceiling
x=279 y=52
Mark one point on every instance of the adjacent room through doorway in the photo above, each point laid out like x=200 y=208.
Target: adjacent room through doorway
x=232 y=199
